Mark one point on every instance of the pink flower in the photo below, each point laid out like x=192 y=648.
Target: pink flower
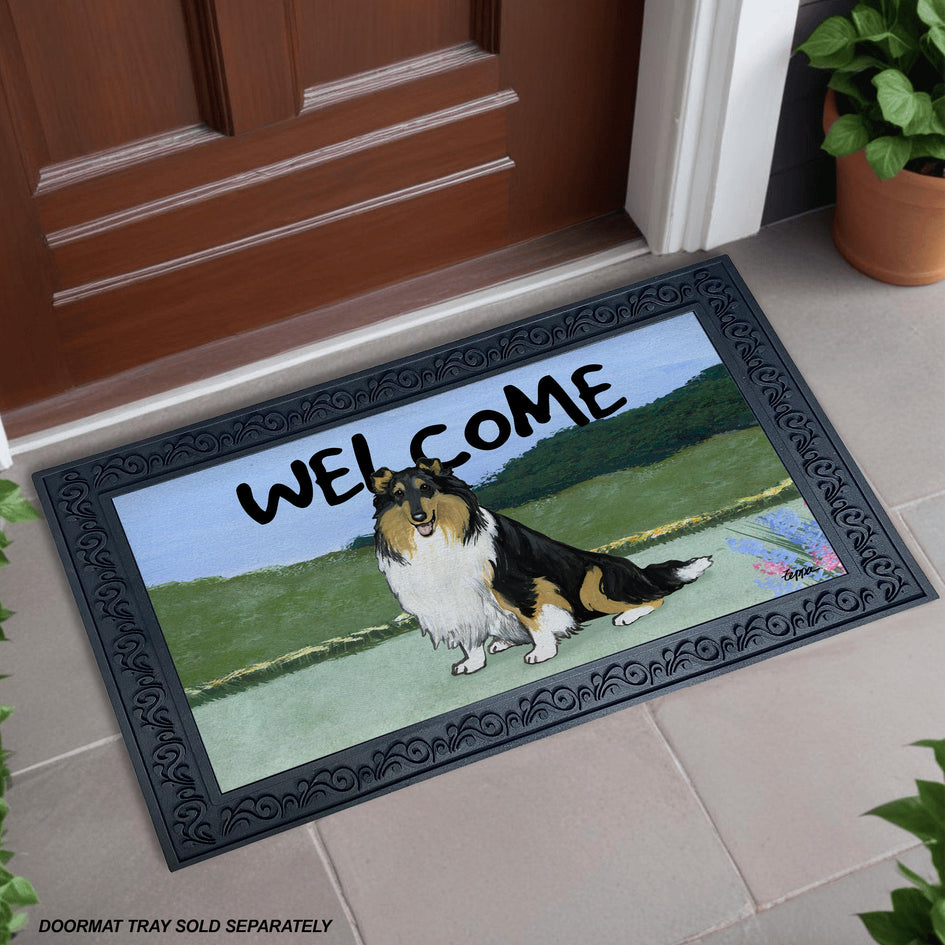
x=771 y=567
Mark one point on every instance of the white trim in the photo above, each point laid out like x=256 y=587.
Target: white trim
x=711 y=80
x=6 y=457
x=322 y=353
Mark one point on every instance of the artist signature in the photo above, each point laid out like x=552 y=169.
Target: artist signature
x=796 y=575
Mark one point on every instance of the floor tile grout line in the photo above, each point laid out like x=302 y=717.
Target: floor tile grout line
x=712 y=930
x=911 y=503
x=798 y=893
x=878 y=860
x=68 y=754
x=335 y=880
x=924 y=558
x=677 y=761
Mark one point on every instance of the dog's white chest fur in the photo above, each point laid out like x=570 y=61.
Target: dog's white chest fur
x=445 y=584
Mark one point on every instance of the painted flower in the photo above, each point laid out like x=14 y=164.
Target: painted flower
x=792 y=551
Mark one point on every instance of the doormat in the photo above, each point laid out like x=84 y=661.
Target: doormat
x=306 y=604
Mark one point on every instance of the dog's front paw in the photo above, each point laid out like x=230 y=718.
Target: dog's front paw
x=497 y=646
x=474 y=661
x=541 y=653
x=465 y=667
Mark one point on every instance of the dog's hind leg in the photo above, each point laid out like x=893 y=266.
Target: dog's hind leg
x=627 y=617
x=594 y=599
x=475 y=660
x=545 y=628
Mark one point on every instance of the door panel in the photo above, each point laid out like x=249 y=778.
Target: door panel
x=102 y=73
x=341 y=38
x=439 y=223
x=313 y=185
x=191 y=169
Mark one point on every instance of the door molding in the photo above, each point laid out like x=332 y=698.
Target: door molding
x=711 y=81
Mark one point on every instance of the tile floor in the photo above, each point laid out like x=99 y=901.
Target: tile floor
x=727 y=813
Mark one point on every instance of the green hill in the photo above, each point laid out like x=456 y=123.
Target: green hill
x=706 y=405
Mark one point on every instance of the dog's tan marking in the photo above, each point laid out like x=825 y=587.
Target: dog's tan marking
x=593 y=598
x=433 y=466
x=452 y=515
x=546 y=594
x=380 y=479
x=398 y=530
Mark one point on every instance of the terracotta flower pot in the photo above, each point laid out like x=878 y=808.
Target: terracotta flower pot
x=893 y=230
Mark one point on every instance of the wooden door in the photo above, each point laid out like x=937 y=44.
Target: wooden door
x=174 y=172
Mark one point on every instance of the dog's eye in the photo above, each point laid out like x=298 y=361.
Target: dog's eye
x=399 y=493
x=426 y=487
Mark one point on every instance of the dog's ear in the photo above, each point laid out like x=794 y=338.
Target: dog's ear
x=433 y=466
x=380 y=479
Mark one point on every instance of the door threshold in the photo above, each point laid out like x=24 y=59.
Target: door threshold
x=439 y=299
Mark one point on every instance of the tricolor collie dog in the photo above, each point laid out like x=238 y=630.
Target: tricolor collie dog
x=470 y=575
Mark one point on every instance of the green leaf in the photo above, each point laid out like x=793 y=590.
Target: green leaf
x=934 y=41
x=19 y=892
x=923 y=117
x=938 y=859
x=18 y=921
x=938 y=919
x=831 y=45
x=847 y=134
x=867 y=20
x=845 y=84
x=912 y=911
x=936 y=744
x=859 y=63
x=931 y=12
x=909 y=814
x=5 y=712
x=888 y=155
x=894 y=93
x=932 y=796
x=928 y=890
x=886 y=929
x=13 y=507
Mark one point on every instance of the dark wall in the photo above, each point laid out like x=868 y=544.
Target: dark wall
x=802 y=176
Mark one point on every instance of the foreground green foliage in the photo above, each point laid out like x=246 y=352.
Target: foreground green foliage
x=15 y=891
x=918 y=911
x=887 y=60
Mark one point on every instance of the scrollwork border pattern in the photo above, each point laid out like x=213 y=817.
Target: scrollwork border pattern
x=193 y=822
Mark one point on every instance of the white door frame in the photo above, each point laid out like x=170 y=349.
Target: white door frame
x=6 y=457
x=709 y=96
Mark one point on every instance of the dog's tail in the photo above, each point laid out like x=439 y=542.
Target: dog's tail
x=672 y=575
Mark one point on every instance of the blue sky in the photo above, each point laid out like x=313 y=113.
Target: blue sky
x=193 y=526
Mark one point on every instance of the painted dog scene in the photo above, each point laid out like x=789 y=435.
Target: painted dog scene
x=347 y=584
x=471 y=576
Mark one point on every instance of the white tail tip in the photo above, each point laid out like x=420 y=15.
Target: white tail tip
x=693 y=569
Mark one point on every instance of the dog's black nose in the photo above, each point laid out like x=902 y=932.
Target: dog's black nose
x=418 y=516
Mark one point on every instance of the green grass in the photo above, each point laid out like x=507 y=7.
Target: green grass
x=214 y=625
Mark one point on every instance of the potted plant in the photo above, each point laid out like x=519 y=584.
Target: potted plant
x=884 y=120
x=15 y=891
